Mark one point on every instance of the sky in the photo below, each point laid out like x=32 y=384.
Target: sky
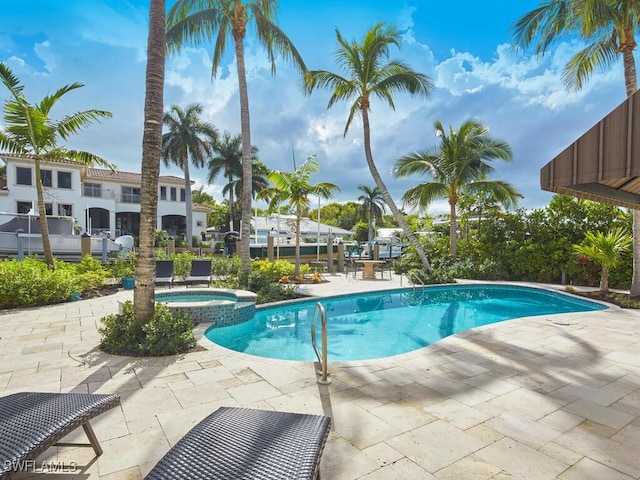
x=464 y=47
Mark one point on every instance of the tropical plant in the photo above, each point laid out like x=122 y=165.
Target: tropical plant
x=28 y=131
x=606 y=250
x=371 y=206
x=609 y=28
x=143 y=295
x=294 y=188
x=458 y=165
x=370 y=73
x=226 y=160
x=199 y=21
x=188 y=138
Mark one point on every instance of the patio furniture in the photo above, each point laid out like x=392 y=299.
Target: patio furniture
x=200 y=272
x=243 y=443
x=164 y=272
x=32 y=422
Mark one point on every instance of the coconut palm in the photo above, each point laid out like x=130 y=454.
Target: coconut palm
x=197 y=21
x=605 y=250
x=143 y=295
x=30 y=132
x=294 y=189
x=226 y=160
x=188 y=138
x=609 y=28
x=370 y=73
x=371 y=206
x=458 y=165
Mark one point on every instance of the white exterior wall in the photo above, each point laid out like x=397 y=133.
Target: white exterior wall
x=110 y=197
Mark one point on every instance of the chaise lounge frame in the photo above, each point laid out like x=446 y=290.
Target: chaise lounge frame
x=241 y=443
x=32 y=422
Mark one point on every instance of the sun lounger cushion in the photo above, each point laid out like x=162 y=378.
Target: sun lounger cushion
x=164 y=272
x=200 y=272
x=32 y=422
x=240 y=443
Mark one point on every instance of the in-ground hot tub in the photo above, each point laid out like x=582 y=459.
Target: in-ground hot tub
x=220 y=306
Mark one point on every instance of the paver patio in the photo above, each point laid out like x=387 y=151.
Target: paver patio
x=552 y=396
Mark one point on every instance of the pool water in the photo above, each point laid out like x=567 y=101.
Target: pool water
x=197 y=297
x=383 y=324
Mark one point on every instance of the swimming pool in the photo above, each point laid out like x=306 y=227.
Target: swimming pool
x=382 y=324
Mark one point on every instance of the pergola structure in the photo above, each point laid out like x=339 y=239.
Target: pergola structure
x=603 y=165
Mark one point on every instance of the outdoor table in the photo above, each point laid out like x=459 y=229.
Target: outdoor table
x=369 y=273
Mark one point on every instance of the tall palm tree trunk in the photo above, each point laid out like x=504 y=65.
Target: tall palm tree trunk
x=230 y=183
x=604 y=279
x=370 y=234
x=296 y=271
x=453 y=229
x=245 y=122
x=631 y=85
x=42 y=212
x=187 y=200
x=385 y=193
x=143 y=295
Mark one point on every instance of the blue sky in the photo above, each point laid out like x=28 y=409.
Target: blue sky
x=463 y=46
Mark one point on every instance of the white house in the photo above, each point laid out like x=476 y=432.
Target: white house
x=102 y=201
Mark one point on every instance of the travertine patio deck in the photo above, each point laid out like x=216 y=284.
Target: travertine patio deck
x=530 y=399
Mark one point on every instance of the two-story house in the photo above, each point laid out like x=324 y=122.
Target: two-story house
x=101 y=201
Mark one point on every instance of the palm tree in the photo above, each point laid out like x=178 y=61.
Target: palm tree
x=29 y=132
x=294 y=189
x=188 y=138
x=370 y=73
x=199 y=21
x=458 y=165
x=608 y=27
x=227 y=160
x=143 y=295
x=605 y=250
x=371 y=206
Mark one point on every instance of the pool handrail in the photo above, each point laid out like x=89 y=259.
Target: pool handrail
x=412 y=277
x=322 y=358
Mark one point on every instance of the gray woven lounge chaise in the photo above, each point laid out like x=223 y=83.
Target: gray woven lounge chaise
x=241 y=443
x=200 y=272
x=32 y=422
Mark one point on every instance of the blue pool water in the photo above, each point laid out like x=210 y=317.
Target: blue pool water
x=382 y=324
x=198 y=297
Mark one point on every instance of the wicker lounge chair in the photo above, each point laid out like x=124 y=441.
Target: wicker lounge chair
x=200 y=272
x=31 y=422
x=164 y=272
x=242 y=443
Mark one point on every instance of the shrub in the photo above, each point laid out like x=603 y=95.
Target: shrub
x=265 y=288
x=31 y=282
x=165 y=334
x=226 y=267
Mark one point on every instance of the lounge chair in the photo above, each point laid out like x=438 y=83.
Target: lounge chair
x=164 y=272
x=243 y=443
x=32 y=422
x=200 y=272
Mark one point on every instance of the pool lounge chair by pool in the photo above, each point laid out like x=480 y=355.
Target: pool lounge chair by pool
x=243 y=443
x=31 y=422
x=164 y=272
x=200 y=272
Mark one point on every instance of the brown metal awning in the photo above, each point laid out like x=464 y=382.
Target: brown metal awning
x=603 y=165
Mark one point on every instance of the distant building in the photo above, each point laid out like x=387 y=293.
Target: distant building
x=283 y=227
x=101 y=201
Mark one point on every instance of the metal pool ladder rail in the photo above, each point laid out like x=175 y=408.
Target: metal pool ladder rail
x=412 y=278
x=322 y=358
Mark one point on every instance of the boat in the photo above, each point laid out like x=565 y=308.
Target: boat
x=21 y=235
x=388 y=248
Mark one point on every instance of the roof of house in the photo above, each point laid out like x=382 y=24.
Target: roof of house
x=129 y=177
x=602 y=165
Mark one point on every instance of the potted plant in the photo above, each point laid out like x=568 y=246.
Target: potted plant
x=125 y=269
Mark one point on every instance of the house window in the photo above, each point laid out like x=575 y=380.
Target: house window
x=163 y=193
x=130 y=195
x=65 y=209
x=64 y=179
x=23 y=207
x=23 y=175
x=92 y=190
x=48 y=208
x=46 y=178
x=173 y=194
x=183 y=195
